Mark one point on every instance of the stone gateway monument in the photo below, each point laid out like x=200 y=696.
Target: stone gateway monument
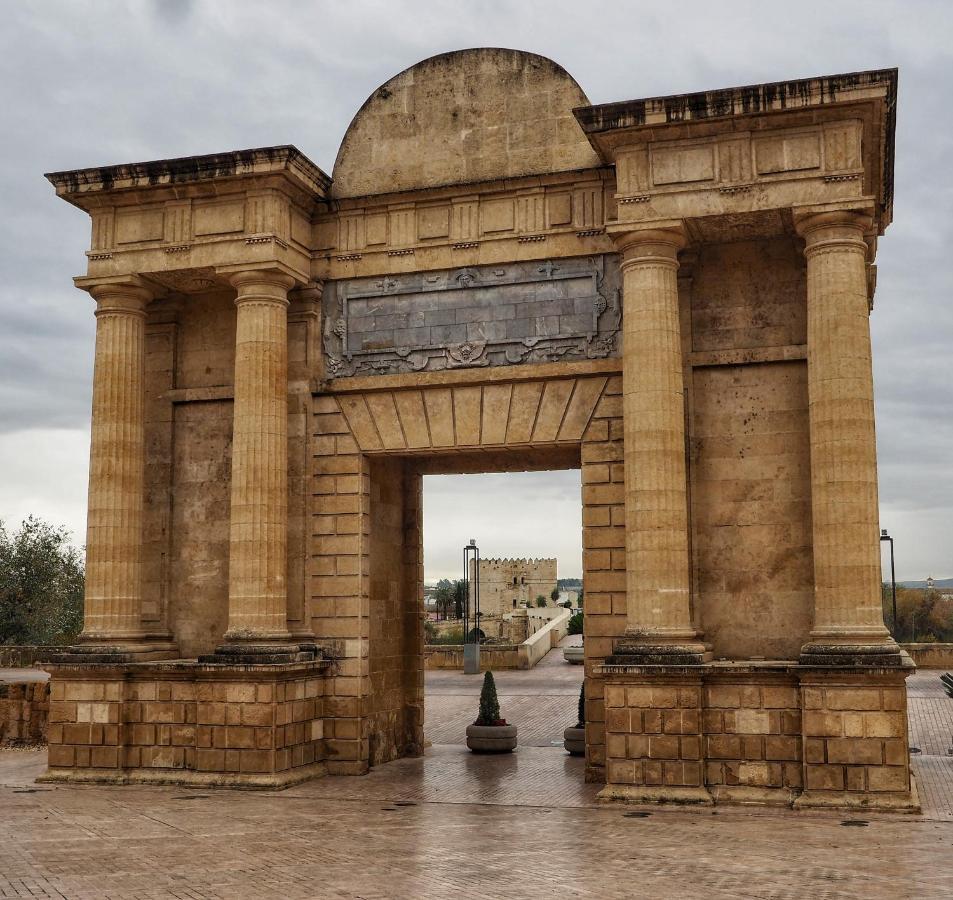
x=671 y=294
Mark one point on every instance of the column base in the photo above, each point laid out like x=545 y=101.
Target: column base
x=633 y=653
x=841 y=655
x=256 y=654
x=898 y=802
x=685 y=796
x=263 y=782
x=184 y=722
x=105 y=651
x=766 y=733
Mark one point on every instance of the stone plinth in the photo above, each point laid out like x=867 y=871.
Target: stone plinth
x=183 y=722
x=758 y=733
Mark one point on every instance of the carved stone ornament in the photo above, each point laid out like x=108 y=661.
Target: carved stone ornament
x=524 y=312
x=467 y=354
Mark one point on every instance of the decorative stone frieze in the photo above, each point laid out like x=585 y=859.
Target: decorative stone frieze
x=475 y=316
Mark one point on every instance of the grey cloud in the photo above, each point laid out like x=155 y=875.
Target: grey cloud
x=90 y=84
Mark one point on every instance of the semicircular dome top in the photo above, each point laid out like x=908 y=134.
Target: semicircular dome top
x=470 y=115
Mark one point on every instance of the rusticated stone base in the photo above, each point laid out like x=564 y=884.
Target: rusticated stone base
x=758 y=733
x=185 y=722
x=24 y=713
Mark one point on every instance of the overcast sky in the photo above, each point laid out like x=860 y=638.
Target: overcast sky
x=93 y=83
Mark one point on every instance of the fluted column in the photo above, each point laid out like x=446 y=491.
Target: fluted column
x=113 y=603
x=658 y=580
x=847 y=595
x=258 y=539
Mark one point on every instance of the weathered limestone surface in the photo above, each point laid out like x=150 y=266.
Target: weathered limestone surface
x=178 y=722
x=515 y=107
x=847 y=604
x=258 y=543
x=113 y=605
x=653 y=407
x=24 y=713
x=670 y=294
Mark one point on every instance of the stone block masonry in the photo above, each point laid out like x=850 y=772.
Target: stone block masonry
x=24 y=710
x=187 y=723
x=764 y=734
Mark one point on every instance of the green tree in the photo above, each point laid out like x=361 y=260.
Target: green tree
x=41 y=585
x=574 y=626
x=922 y=616
x=540 y=600
x=581 y=715
x=554 y=595
x=489 y=703
x=451 y=597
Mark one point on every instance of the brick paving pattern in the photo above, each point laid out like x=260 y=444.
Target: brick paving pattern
x=542 y=701
x=523 y=825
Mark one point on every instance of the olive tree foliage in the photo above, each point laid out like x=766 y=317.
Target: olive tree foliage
x=41 y=585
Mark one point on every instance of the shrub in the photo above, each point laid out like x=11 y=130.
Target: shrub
x=453 y=636
x=554 y=594
x=540 y=601
x=430 y=632
x=489 y=703
x=575 y=624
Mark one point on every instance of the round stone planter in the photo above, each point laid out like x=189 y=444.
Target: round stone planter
x=491 y=738
x=574 y=655
x=574 y=740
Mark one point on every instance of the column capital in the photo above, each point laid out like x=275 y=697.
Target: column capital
x=246 y=275
x=311 y=293
x=823 y=227
x=118 y=294
x=658 y=241
x=262 y=285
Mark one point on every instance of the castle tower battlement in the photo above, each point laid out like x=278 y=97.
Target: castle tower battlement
x=508 y=583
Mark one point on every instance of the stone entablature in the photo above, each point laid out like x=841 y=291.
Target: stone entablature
x=567 y=211
x=189 y=222
x=814 y=140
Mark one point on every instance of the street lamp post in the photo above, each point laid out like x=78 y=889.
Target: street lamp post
x=471 y=649
x=893 y=579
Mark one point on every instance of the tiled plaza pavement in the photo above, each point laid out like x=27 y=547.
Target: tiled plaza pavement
x=521 y=826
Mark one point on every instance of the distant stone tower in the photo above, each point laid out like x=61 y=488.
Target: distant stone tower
x=508 y=584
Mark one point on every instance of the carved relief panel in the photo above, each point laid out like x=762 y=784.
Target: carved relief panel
x=539 y=311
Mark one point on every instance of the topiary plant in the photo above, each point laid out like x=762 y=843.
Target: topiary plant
x=581 y=715
x=489 y=704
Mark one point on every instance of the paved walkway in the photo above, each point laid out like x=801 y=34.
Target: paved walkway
x=520 y=826
x=542 y=700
